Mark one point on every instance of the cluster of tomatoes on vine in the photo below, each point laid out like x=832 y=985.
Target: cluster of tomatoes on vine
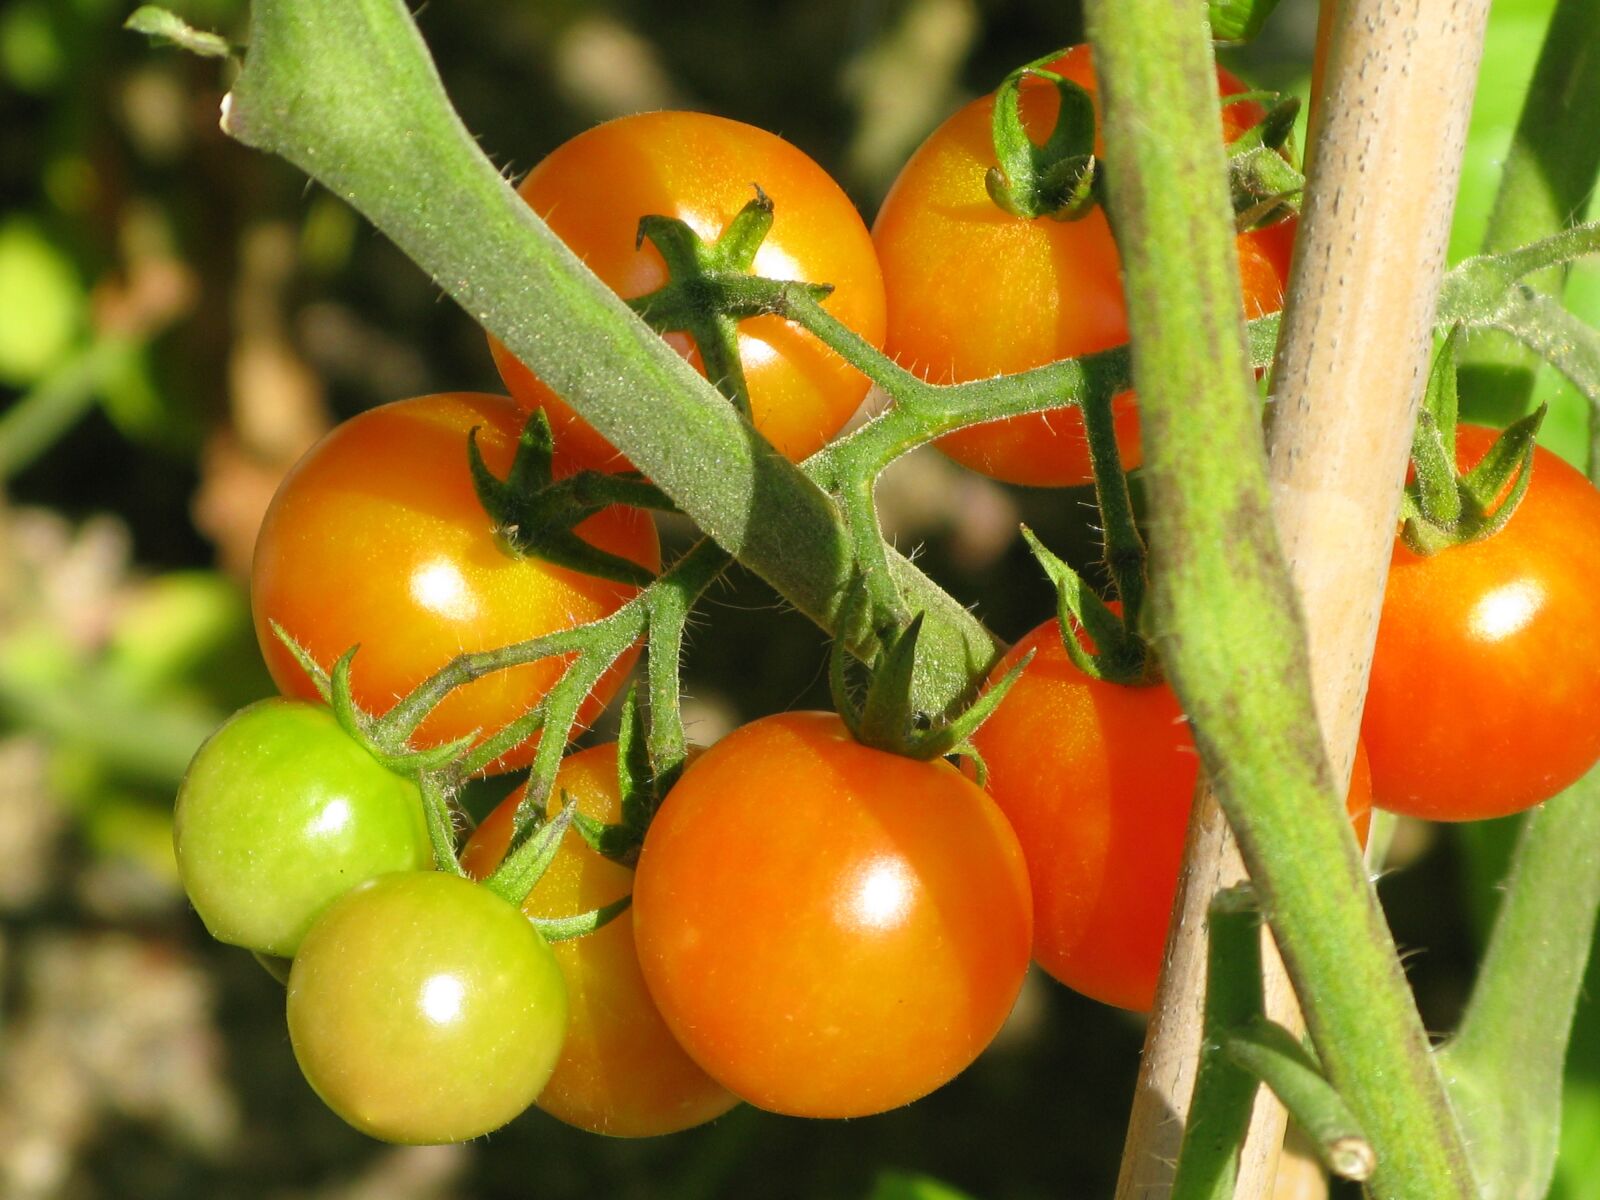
x=827 y=918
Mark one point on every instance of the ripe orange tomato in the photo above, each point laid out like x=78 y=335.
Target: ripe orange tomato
x=377 y=537
x=620 y=1072
x=1485 y=690
x=829 y=930
x=593 y=189
x=1097 y=779
x=974 y=291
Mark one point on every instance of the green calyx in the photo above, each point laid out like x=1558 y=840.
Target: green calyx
x=710 y=289
x=529 y=857
x=1117 y=653
x=1442 y=506
x=881 y=714
x=535 y=515
x=333 y=686
x=1262 y=179
x=1059 y=179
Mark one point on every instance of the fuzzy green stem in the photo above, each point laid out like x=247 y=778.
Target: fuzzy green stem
x=1124 y=544
x=1223 y=612
x=670 y=603
x=1219 y=1114
x=441 y=823
x=1549 y=173
x=1272 y=1054
x=1505 y=1064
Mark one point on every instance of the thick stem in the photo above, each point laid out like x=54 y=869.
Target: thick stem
x=1223 y=612
x=1505 y=1064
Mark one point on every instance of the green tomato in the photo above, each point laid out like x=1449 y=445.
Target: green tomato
x=282 y=812
x=423 y=1008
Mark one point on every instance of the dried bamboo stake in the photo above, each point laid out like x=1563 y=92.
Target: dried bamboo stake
x=1350 y=371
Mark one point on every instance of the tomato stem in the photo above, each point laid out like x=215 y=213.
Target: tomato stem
x=1223 y=1091
x=1504 y=1066
x=441 y=822
x=1224 y=612
x=1124 y=544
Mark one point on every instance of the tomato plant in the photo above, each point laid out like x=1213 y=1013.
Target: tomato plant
x=829 y=930
x=377 y=538
x=1485 y=690
x=592 y=191
x=974 y=291
x=621 y=1072
x=1097 y=779
x=280 y=813
x=423 y=1008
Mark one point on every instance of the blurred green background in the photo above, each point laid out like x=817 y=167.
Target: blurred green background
x=181 y=317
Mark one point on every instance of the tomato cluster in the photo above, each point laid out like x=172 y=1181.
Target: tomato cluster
x=819 y=927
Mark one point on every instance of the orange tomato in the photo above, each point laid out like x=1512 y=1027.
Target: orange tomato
x=974 y=291
x=593 y=189
x=620 y=1072
x=1097 y=780
x=1485 y=691
x=376 y=537
x=829 y=930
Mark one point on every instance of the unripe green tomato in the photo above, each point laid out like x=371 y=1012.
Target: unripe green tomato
x=282 y=812
x=423 y=1008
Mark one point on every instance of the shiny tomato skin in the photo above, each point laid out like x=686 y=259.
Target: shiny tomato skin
x=829 y=930
x=699 y=168
x=1485 y=691
x=621 y=1072
x=376 y=537
x=423 y=1008
x=975 y=292
x=1097 y=779
x=282 y=812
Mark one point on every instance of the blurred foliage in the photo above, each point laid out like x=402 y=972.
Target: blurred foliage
x=180 y=318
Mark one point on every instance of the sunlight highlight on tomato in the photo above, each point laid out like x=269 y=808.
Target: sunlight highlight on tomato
x=377 y=538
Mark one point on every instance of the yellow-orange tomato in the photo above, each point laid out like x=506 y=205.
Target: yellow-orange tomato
x=1485 y=690
x=620 y=1072
x=829 y=930
x=975 y=291
x=376 y=537
x=592 y=191
x=1097 y=780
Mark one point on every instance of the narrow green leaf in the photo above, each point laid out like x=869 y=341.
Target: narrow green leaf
x=163 y=26
x=561 y=929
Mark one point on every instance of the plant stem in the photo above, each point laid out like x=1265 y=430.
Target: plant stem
x=1223 y=613
x=1505 y=1063
x=1208 y=1165
x=1124 y=545
x=345 y=89
x=1549 y=173
x=33 y=424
